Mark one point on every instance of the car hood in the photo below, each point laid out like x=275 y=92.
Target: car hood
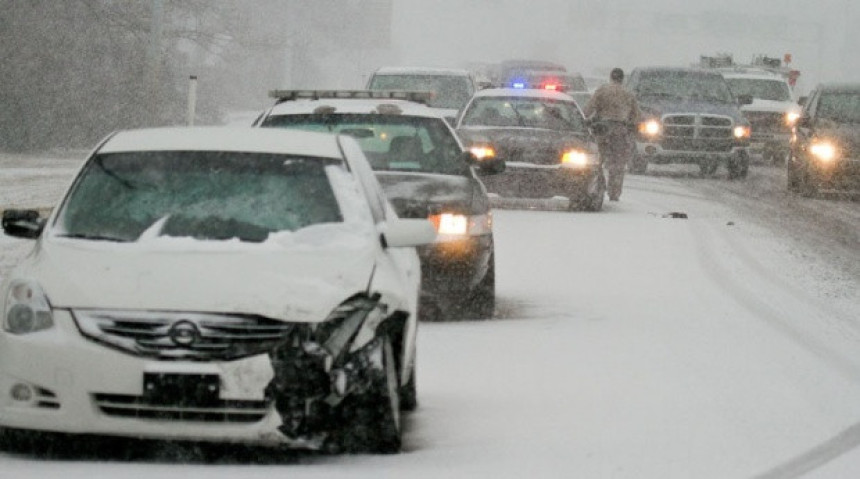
x=417 y=195
x=667 y=107
x=289 y=284
x=771 y=106
x=518 y=138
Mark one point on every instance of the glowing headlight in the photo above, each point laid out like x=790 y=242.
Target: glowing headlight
x=741 y=131
x=483 y=152
x=824 y=151
x=791 y=118
x=27 y=309
x=650 y=128
x=453 y=224
x=575 y=158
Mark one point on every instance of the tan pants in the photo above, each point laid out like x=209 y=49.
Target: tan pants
x=616 y=146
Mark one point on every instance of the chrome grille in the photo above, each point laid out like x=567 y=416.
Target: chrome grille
x=127 y=406
x=176 y=335
x=699 y=133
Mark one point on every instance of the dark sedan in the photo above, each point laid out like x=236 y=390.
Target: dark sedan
x=543 y=139
x=825 y=149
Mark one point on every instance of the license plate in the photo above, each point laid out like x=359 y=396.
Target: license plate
x=181 y=390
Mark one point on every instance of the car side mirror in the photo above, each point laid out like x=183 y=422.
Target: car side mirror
x=23 y=223
x=405 y=233
x=745 y=100
x=485 y=166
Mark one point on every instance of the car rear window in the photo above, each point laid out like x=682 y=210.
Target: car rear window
x=450 y=91
x=524 y=112
x=204 y=195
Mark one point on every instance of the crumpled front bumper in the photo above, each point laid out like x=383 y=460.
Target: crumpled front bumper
x=57 y=380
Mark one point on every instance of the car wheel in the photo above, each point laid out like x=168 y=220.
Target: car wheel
x=409 y=394
x=480 y=303
x=373 y=418
x=738 y=167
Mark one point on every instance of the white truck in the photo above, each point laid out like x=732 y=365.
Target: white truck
x=774 y=108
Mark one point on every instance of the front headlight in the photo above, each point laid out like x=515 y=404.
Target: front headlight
x=823 y=150
x=741 y=132
x=791 y=118
x=459 y=225
x=650 y=128
x=27 y=308
x=574 y=158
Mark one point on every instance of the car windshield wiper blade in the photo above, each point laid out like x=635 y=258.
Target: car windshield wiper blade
x=94 y=237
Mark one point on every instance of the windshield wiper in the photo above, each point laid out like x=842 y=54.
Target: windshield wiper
x=662 y=94
x=93 y=237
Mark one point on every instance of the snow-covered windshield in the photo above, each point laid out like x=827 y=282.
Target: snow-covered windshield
x=683 y=85
x=390 y=142
x=763 y=89
x=449 y=91
x=204 y=195
x=524 y=112
x=842 y=107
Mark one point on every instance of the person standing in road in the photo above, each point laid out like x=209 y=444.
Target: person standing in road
x=617 y=111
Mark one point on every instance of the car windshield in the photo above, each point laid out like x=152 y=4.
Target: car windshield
x=841 y=107
x=449 y=91
x=527 y=112
x=763 y=89
x=390 y=142
x=684 y=85
x=204 y=195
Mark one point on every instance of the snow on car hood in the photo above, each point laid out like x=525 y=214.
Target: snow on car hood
x=283 y=278
x=416 y=195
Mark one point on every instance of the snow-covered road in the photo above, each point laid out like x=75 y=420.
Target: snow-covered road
x=626 y=343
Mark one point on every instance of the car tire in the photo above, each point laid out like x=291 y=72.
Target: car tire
x=808 y=187
x=738 y=167
x=373 y=418
x=481 y=304
x=409 y=394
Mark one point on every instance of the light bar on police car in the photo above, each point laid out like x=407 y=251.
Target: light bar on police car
x=415 y=96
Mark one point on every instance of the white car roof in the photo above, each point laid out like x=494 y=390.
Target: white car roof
x=421 y=71
x=354 y=105
x=525 y=93
x=256 y=140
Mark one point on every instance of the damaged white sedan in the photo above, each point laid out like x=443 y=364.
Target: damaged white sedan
x=204 y=284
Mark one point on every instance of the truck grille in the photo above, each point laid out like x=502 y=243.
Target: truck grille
x=186 y=336
x=698 y=133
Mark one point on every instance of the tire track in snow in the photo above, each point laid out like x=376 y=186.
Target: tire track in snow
x=772 y=315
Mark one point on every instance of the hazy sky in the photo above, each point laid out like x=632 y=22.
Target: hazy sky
x=592 y=36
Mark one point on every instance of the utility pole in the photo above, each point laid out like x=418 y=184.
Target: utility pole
x=156 y=31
